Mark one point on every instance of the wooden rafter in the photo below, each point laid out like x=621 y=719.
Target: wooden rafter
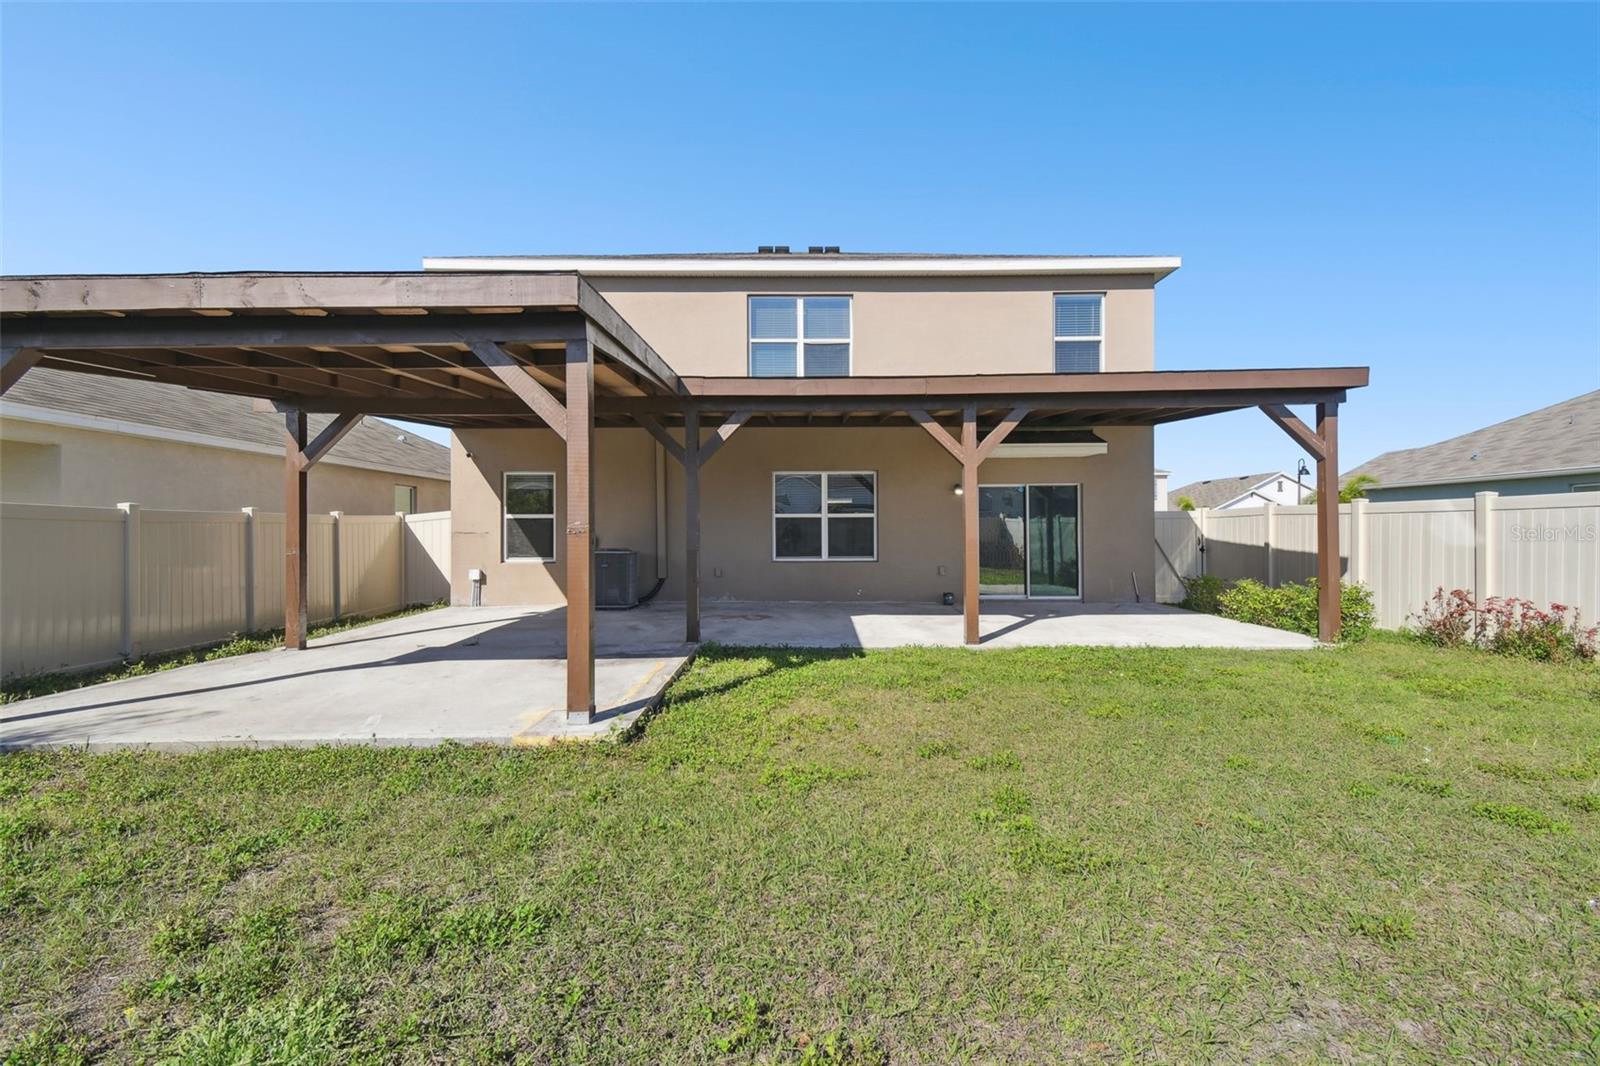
x=517 y=378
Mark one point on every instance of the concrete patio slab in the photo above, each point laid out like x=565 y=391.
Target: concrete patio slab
x=496 y=675
x=1003 y=624
x=474 y=675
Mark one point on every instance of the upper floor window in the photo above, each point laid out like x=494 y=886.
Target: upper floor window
x=800 y=336
x=1078 y=336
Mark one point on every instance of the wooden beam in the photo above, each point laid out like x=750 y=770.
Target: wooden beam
x=691 y=526
x=969 y=524
x=578 y=420
x=1328 y=587
x=296 y=561
x=729 y=427
x=999 y=433
x=655 y=429
x=938 y=433
x=15 y=362
x=1298 y=430
x=267 y=331
x=519 y=380
x=331 y=434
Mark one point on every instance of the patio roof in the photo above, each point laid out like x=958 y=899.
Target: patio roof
x=516 y=348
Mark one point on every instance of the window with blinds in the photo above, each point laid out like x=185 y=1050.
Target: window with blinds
x=825 y=515
x=1078 y=335
x=800 y=336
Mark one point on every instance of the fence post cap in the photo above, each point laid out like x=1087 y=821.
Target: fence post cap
x=127 y=507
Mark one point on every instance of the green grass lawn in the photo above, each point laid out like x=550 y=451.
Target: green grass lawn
x=1376 y=852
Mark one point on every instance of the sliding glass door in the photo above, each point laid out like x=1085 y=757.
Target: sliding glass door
x=1002 y=532
x=1053 y=540
x=1028 y=541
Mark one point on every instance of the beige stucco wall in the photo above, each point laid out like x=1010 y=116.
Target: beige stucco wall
x=42 y=463
x=919 y=524
x=901 y=325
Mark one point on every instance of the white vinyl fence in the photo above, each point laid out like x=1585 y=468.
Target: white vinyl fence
x=88 y=586
x=1540 y=548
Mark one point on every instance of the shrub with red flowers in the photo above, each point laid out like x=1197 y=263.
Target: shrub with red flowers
x=1507 y=625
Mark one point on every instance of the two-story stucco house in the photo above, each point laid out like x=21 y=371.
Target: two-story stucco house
x=930 y=429
x=856 y=509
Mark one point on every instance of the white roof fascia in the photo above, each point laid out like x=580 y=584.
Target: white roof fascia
x=805 y=265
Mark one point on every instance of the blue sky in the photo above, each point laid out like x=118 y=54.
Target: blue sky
x=1409 y=187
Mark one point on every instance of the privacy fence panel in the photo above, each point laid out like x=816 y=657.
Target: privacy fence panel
x=61 y=587
x=1177 y=553
x=369 y=564
x=87 y=586
x=191 y=577
x=319 y=569
x=1541 y=548
x=1551 y=550
x=1416 y=547
x=427 y=557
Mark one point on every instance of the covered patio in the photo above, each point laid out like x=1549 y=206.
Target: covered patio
x=465 y=350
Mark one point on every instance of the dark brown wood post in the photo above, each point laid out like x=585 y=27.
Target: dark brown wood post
x=580 y=530
x=1328 y=587
x=295 y=560
x=969 y=522
x=691 y=525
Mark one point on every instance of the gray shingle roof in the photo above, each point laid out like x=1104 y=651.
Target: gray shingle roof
x=373 y=442
x=1218 y=491
x=1563 y=436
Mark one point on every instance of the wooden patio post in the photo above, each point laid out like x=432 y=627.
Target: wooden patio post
x=969 y=522
x=580 y=532
x=295 y=564
x=691 y=525
x=1328 y=588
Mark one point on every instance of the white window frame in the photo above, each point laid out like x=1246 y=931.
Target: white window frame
x=801 y=340
x=412 y=489
x=823 y=516
x=506 y=517
x=1100 y=337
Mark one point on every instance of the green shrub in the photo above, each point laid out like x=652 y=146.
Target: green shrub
x=1294 y=607
x=1203 y=593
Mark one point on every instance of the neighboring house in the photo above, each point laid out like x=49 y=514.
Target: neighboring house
x=1251 y=490
x=87 y=440
x=1161 y=489
x=1553 y=449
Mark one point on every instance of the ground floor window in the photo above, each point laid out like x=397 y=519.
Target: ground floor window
x=1028 y=541
x=825 y=515
x=529 y=531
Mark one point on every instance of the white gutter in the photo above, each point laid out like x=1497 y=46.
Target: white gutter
x=94 y=423
x=819 y=265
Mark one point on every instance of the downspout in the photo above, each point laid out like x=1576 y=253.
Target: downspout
x=661 y=526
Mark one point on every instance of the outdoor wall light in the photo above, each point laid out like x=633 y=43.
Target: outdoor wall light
x=957 y=489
